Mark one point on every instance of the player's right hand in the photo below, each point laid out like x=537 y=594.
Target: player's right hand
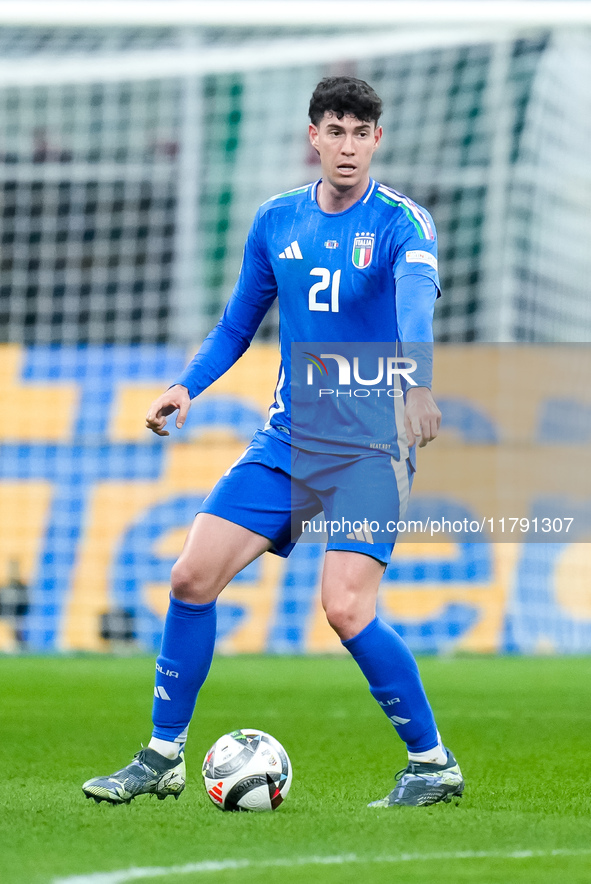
x=175 y=399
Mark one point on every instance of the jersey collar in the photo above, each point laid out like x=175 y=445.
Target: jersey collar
x=361 y=201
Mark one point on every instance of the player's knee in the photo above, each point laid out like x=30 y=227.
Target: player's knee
x=343 y=616
x=191 y=583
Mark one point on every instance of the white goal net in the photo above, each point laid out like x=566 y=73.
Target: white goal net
x=132 y=161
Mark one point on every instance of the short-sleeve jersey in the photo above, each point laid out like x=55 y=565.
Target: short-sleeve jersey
x=335 y=274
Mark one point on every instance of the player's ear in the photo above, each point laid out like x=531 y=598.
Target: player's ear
x=313 y=135
x=378 y=136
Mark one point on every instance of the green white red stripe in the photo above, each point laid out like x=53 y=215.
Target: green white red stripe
x=420 y=218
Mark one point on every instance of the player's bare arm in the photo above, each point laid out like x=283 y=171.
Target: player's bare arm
x=422 y=417
x=175 y=399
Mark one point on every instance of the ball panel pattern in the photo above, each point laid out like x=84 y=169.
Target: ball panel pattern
x=247 y=770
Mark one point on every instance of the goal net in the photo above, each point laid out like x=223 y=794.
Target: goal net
x=132 y=161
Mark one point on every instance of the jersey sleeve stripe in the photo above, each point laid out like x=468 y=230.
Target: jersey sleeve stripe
x=404 y=208
x=419 y=213
x=412 y=208
x=293 y=192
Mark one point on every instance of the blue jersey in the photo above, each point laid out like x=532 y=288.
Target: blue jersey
x=367 y=274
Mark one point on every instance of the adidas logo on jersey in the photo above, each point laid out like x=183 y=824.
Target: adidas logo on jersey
x=292 y=251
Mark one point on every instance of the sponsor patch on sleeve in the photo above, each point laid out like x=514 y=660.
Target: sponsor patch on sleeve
x=420 y=257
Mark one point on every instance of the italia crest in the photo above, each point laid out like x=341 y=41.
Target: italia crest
x=363 y=246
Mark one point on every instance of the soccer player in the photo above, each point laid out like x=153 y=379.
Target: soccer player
x=349 y=260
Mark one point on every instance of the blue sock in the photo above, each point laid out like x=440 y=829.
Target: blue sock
x=185 y=657
x=395 y=683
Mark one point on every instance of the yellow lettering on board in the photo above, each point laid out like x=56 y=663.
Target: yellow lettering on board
x=258 y=599
x=252 y=379
x=113 y=507
x=419 y=601
x=38 y=412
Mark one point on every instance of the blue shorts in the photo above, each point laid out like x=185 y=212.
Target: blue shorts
x=276 y=490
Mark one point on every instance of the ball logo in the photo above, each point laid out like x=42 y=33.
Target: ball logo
x=363 y=246
x=216 y=793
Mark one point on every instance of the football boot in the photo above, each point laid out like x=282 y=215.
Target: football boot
x=420 y=784
x=148 y=774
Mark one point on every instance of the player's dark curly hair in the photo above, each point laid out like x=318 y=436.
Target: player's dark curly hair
x=345 y=95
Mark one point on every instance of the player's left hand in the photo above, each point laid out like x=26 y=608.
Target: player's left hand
x=422 y=418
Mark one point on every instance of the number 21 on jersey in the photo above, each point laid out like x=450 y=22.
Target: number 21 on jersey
x=326 y=282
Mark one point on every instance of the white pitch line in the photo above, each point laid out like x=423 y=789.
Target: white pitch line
x=137 y=874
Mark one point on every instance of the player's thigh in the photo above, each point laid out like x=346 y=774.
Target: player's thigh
x=214 y=552
x=257 y=492
x=367 y=498
x=350 y=583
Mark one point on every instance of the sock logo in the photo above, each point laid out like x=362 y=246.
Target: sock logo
x=169 y=672
x=395 y=719
x=160 y=693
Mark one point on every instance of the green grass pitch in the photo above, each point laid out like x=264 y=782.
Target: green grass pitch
x=520 y=729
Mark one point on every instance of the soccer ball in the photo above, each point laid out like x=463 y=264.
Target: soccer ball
x=247 y=770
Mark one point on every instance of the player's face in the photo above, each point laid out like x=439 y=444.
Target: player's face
x=346 y=148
